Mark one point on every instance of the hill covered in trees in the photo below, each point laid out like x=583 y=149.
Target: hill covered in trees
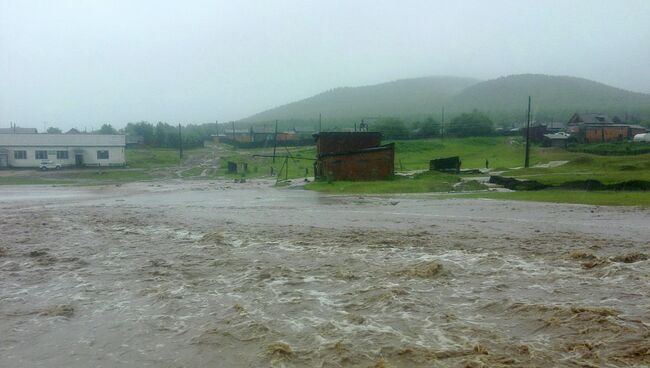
x=406 y=98
x=503 y=100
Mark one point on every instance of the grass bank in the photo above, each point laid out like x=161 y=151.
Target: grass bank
x=582 y=166
x=420 y=183
x=570 y=196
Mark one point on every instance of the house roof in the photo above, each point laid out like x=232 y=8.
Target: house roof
x=18 y=130
x=63 y=140
x=590 y=118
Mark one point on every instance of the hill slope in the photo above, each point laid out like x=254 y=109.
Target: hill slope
x=405 y=97
x=504 y=99
x=551 y=95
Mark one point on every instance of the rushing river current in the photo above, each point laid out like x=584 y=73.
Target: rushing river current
x=245 y=275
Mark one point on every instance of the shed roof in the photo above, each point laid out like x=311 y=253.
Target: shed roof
x=389 y=146
x=18 y=130
x=63 y=140
x=560 y=135
x=590 y=118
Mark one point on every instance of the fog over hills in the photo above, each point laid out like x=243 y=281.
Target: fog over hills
x=505 y=99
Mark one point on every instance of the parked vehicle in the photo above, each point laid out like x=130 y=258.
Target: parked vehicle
x=48 y=164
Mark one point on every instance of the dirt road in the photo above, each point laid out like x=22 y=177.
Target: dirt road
x=180 y=274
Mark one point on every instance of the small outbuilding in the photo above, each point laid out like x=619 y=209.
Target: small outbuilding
x=30 y=150
x=355 y=156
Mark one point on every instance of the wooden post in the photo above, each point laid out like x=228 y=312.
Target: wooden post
x=527 y=158
x=180 y=142
x=275 y=140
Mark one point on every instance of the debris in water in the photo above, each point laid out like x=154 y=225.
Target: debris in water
x=63 y=310
x=594 y=263
x=217 y=238
x=159 y=263
x=3 y=252
x=480 y=349
x=280 y=349
x=427 y=270
x=582 y=255
x=346 y=275
x=630 y=258
x=356 y=319
x=238 y=307
x=381 y=363
x=37 y=253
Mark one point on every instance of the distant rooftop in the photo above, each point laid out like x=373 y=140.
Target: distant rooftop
x=18 y=130
x=58 y=140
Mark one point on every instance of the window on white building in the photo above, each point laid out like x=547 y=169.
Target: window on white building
x=20 y=155
x=41 y=155
x=62 y=155
x=102 y=155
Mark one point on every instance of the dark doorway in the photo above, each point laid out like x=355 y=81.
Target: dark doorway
x=78 y=160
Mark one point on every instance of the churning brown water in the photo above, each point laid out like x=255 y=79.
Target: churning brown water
x=225 y=275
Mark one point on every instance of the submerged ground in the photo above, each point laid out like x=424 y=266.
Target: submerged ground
x=209 y=273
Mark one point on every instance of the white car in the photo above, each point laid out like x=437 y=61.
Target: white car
x=48 y=164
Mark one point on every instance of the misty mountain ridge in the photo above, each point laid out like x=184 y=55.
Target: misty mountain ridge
x=504 y=99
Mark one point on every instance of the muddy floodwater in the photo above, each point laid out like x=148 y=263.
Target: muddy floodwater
x=216 y=274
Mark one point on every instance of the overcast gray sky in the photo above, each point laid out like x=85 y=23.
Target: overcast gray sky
x=83 y=63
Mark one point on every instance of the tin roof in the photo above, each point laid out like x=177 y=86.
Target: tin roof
x=63 y=140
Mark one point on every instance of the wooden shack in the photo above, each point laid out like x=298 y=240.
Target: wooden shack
x=355 y=156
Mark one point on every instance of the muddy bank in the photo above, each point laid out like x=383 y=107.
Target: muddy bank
x=516 y=184
x=223 y=275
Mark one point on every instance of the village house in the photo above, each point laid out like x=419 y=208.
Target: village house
x=596 y=128
x=353 y=156
x=30 y=150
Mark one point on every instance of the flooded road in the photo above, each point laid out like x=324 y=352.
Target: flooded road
x=245 y=275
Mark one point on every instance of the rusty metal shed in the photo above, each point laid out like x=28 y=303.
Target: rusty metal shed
x=355 y=156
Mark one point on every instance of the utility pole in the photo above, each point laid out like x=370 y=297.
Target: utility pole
x=275 y=140
x=527 y=159
x=442 y=124
x=233 y=131
x=180 y=142
x=320 y=122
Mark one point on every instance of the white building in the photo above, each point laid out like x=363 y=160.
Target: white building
x=29 y=150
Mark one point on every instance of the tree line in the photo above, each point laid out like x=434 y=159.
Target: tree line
x=161 y=134
x=164 y=135
x=470 y=124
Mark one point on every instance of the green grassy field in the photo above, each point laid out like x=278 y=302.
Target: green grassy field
x=146 y=158
x=499 y=151
x=641 y=199
x=421 y=183
x=300 y=166
x=582 y=166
